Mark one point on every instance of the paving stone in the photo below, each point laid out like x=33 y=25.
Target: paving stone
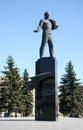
x=30 y=124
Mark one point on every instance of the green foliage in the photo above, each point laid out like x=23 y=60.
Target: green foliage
x=27 y=95
x=15 y=93
x=71 y=95
x=11 y=92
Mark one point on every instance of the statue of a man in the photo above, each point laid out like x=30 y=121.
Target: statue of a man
x=47 y=25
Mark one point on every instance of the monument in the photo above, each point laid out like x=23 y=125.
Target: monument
x=46 y=99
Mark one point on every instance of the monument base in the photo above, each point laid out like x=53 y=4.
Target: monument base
x=46 y=107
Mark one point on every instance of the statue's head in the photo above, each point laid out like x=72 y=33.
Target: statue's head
x=46 y=15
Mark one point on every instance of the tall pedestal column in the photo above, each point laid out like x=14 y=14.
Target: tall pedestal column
x=46 y=99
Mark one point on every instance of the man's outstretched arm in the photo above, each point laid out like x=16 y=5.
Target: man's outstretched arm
x=39 y=27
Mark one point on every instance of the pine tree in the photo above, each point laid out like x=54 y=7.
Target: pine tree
x=71 y=95
x=11 y=90
x=27 y=95
x=3 y=91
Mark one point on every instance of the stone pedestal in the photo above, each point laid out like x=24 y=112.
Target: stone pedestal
x=46 y=99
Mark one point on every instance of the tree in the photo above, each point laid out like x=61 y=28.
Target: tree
x=3 y=91
x=27 y=95
x=11 y=92
x=71 y=95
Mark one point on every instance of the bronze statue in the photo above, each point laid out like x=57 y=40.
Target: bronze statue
x=46 y=25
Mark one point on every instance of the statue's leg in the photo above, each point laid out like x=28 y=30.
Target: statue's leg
x=50 y=44
x=44 y=40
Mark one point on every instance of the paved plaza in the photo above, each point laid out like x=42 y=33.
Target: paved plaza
x=30 y=124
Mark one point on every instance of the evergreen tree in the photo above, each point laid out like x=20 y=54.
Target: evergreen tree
x=27 y=95
x=70 y=92
x=11 y=92
x=3 y=91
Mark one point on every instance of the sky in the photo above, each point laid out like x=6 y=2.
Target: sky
x=18 y=19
